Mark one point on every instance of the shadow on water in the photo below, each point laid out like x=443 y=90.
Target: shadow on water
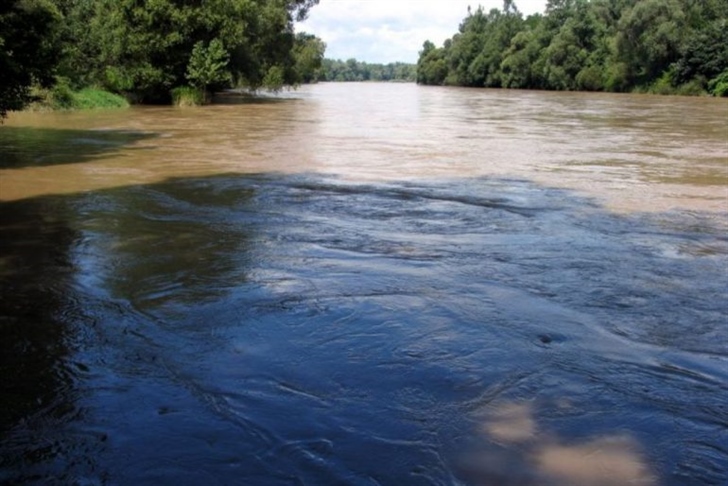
x=61 y=312
x=35 y=269
x=234 y=98
x=36 y=147
x=278 y=329
x=39 y=333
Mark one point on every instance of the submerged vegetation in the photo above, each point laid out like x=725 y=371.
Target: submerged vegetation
x=149 y=51
x=657 y=46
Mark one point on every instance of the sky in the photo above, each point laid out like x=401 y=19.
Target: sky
x=383 y=31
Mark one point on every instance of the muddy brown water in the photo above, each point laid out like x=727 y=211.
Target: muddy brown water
x=367 y=284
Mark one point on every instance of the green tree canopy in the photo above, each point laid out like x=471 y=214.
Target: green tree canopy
x=308 y=52
x=28 y=49
x=144 y=48
x=612 y=45
x=208 y=66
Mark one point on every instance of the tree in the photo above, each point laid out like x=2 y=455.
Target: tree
x=650 y=35
x=465 y=47
x=308 y=52
x=704 y=55
x=145 y=48
x=568 y=63
x=208 y=66
x=502 y=28
x=28 y=51
x=431 y=66
x=518 y=60
x=614 y=45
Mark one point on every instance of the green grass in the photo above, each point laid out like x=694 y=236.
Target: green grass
x=93 y=98
x=62 y=97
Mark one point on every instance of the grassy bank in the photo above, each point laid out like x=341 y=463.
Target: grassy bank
x=63 y=97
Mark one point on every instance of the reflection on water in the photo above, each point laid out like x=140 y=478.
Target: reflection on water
x=37 y=147
x=174 y=245
x=511 y=423
x=519 y=453
x=601 y=462
x=382 y=322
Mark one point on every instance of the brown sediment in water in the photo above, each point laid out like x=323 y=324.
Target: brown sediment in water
x=631 y=153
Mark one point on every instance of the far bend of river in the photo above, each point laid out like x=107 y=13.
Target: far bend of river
x=367 y=284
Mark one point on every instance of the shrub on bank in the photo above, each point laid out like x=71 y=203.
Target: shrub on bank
x=666 y=85
x=719 y=85
x=188 y=96
x=61 y=96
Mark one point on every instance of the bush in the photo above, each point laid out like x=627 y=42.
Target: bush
x=692 y=88
x=61 y=96
x=274 y=79
x=718 y=86
x=185 y=96
x=590 y=79
x=663 y=85
x=617 y=77
x=117 y=79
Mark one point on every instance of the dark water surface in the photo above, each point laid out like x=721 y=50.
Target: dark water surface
x=367 y=284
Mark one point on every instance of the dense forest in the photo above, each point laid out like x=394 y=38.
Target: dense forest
x=148 y=50
x=659 y=46
x=353 y=70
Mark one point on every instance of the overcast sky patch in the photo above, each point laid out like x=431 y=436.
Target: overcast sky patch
x=384 y=31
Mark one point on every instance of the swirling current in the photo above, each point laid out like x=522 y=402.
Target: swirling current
x=217 y=326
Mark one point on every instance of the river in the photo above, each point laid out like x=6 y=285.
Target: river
x=367 y=284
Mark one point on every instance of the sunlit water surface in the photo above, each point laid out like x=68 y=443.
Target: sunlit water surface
x=367 y=284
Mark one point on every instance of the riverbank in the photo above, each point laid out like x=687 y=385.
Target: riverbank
x=62 y=97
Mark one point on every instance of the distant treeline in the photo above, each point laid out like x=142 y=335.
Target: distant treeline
x=353 y=70
x=660 y=46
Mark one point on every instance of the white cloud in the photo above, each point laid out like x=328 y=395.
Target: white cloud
x=392 y=30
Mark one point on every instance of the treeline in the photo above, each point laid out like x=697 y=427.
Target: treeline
x=661 y=46
x=146 y=49
x=353 y=70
